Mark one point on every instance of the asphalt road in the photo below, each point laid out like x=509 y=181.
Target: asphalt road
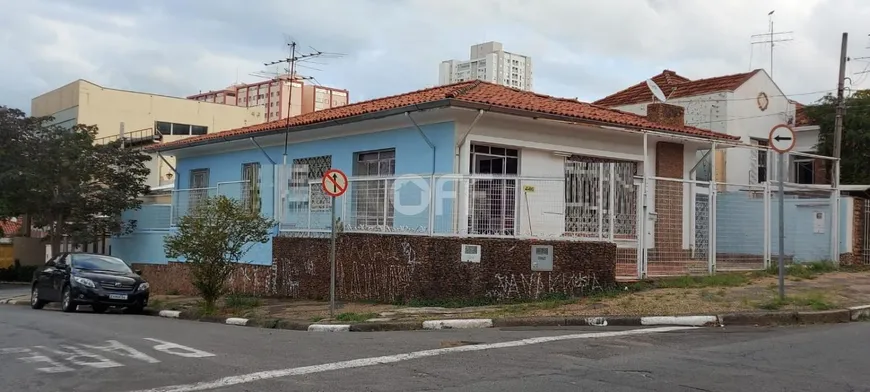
x=13 y=290
x=50 y=351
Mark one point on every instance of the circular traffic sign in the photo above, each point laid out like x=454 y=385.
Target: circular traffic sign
x=781 y=138
x=334 y=182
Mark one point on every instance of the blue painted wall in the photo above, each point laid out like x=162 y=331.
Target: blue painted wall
x=413 y=156
x=744 y=237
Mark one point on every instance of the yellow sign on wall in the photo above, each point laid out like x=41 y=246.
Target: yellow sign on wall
x=528 y=188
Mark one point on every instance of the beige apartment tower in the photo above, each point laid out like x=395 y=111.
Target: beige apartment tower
x=140 y=117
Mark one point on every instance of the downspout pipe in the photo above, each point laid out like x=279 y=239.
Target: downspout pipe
x=426 y=138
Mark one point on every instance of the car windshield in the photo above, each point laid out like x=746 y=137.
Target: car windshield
x=99 y=263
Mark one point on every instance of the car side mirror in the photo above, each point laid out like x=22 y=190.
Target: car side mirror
x=138 y=272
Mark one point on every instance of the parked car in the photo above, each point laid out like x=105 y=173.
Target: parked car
x=88 y=279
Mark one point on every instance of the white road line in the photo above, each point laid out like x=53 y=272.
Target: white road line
x=362 y=362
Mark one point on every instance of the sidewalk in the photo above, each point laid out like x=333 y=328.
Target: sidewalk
x=719 y=294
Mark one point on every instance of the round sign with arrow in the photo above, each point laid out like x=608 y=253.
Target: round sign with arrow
x=782 y=138
x=334 y=182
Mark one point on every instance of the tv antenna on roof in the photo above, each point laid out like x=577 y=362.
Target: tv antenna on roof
x=656 y=90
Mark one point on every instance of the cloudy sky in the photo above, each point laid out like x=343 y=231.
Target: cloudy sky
x=580 y=48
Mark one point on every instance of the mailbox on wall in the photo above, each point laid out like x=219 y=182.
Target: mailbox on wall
x=542 y=257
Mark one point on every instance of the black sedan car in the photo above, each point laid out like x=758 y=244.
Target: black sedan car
x=88 y=279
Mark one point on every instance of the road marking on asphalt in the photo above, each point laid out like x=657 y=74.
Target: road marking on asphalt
x=363 y=362
x=78 y=355
x=177 y=349
x=118 y=348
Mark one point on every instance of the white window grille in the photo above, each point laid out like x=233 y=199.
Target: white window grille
x=304 y=172
x=371 y=204
x=588 y=188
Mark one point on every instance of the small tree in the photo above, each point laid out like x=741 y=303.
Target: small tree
x=212 y=239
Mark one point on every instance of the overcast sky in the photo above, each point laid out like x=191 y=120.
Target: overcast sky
x=580 y=48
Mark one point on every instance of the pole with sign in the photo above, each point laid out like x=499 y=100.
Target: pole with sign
x=781 y=139
x=334 y=183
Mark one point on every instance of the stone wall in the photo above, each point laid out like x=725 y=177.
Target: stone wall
x=173 y=278
x=390 y=268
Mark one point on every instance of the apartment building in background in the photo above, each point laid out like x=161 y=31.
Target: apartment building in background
x=279 y=97
x=489 y=62
x=141 y=118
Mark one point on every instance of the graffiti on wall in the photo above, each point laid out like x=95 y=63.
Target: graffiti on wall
x=534 y=285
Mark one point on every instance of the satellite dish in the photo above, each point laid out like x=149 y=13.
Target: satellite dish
x=657 y=92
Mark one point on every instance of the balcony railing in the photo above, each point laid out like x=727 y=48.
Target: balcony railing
x=135 y=138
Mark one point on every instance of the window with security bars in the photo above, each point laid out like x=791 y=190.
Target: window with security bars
x=304 y=171
x=587 y=197
x=198 y=188
x=370 y=201
x=251 y=186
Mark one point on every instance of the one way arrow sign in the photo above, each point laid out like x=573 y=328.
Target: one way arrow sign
x=782 y=138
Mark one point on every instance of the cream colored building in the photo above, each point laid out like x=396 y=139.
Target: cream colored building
x=141 y=117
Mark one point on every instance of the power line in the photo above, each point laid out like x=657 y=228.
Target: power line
x=729 y=119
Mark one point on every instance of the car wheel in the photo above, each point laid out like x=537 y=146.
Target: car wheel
x=35 y=302
x=99 y=308
x=66 y=303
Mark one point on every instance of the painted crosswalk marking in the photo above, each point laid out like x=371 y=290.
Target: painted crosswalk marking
x=68 y=357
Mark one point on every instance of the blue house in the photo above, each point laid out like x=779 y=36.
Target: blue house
x=468 y=159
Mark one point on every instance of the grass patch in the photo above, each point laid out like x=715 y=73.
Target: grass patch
x=316 y=319
x=689 y=282
x=814 y=301
x=355 y=317
x=804 y=270
x=236 y=301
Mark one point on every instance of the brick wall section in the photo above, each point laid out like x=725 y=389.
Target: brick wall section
x=858 y=245
x=820 y=171
x=666 y=114
x=669 y=197
x=173 y=278
x=389 y=268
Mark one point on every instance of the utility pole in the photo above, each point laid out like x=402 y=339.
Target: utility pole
x=841 y=105
x=769 y=38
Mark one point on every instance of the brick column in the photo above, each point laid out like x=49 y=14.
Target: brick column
x=858 y=208
x=669 y=197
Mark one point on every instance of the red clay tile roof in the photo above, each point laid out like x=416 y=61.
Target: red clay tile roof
x=675 y=86
x=800 y=115
x=476 y=94
x=9 y=228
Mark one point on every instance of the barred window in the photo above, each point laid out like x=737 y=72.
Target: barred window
x=306 y=170
x=371 y=204
x=251 y=186
x=587 y=196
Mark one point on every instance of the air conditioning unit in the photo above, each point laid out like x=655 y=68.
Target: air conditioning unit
x=470 y=253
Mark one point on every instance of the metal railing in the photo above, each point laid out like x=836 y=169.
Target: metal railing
x=472 y=205
x=133 y=138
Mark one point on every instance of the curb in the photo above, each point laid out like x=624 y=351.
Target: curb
x=857 y=313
